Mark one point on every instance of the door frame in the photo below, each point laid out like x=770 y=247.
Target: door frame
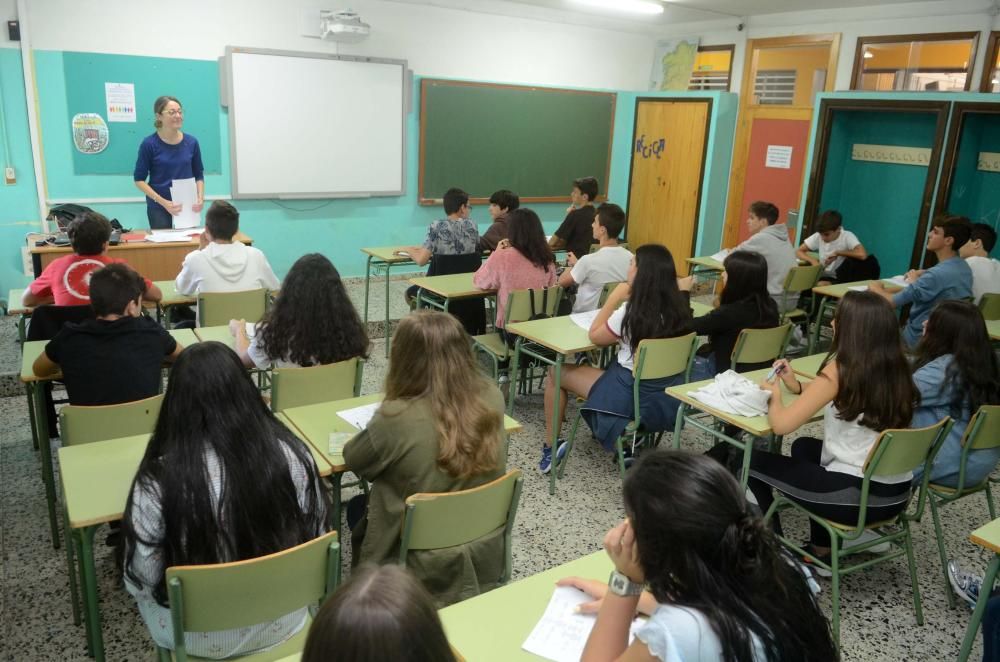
x=821 y=145
x=710 y=103
x=960 y=109
x=749 y=111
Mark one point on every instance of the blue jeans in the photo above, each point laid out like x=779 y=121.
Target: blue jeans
x=159 y=218
x=702 y=368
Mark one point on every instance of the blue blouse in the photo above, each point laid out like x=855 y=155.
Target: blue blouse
x=162 y=163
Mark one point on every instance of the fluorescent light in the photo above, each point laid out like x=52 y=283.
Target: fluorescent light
x=633 y=6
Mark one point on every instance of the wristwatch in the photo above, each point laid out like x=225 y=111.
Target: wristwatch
x=621 y=585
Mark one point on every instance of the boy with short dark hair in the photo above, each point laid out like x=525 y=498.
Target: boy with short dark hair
x=976 y=253
x=116 y=357
x=66 y=281
x=455 y=234
x=950 y=278
x=770 y=239
x=608 y=264
x=223 y=264
x=575 y=233
x=833 y=243
x=501 y=203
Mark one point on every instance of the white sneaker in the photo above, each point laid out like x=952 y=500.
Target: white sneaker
x=866 y=536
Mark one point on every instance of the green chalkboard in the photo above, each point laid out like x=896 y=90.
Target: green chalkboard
x=534 y=141
x=194 y=82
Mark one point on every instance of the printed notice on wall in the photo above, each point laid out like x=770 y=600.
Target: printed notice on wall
x=778 y=156
x=120 y=100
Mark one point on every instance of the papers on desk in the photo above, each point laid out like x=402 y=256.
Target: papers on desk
x=185 y=192
x=561 y=633
x=898 y=281
x=359 y=416
x=584 y=320
x=858 y=288
x=403 y=253
x=733 y=393
x=337 y=442
x=171 y=236
x=722 y=255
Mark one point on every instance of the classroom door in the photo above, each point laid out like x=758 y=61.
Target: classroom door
x=668 y=158
x=780 y=81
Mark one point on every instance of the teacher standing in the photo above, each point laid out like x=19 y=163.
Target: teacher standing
x=164 y=156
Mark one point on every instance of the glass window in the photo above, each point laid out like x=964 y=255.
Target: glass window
x=712 y=68
x=789 y=75
x=915 y=63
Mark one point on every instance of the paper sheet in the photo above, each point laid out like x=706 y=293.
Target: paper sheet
x=251 y=329
x=722 y=255
x=167 y=236
x=858 y=288
x=561 y=633
x=359 y=416
x=898 y=281
x=337 y=442
x=584 y=320
x=185 y=192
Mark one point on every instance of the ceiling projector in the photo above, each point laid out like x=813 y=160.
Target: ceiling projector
x=343 y=26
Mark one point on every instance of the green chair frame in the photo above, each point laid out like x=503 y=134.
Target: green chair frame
x=983 y=432
x=518 y=310
x=227 y=596
x=84 y=425
x=449 y=519
x=761 y=345
x=656 y=359
x=295 y=387
x=894 y=452
x=217 y=308
x=799 y=280
x=989 y=306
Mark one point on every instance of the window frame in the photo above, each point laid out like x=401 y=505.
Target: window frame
x=732 y=60
x=992 y=50
x=863 y=42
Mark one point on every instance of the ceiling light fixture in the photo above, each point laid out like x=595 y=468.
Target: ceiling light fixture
x=632 y=6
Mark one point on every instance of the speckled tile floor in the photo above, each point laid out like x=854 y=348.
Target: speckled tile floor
x=36 y=621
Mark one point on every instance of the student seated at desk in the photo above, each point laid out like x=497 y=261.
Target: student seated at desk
x=66 y=281
x=523 y=261
x=575 y=233
x=770 y=239
x=116 y=357
x=833 y=243
x=608 y=264
x=224 y=264
x=222 y=480
x=956 y=372
x=743 y=304
x=502 y=203
x=719 y=588
x=311 y=322
x=976 y=252
x=381 y=613
x=439 y=429
x=648 y=305
x=827 y=474
x=455 y=234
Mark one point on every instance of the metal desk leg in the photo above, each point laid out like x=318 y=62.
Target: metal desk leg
x=556 y=420
x=679 y=425
x=91 y=608
x=45 y=453
x=368 y=282
x=31 y=415
x=513 y=368
x=814 y=338
x=22 y=321
x=388 y=336
x=70 y=543
x=977 y=614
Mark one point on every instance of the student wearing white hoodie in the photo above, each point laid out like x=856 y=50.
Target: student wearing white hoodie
x=976 y=253
x=770 y=239
x=224 y=265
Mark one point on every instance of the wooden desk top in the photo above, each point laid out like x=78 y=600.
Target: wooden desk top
x=840 y=289
x=808 y=366
x=988 y=536
x=993 y=327
x=96 y=478
x=387 y=254
x=451 y=286
x=706 y=262
x=217 y=333
x=755 y=425
x=492 y=626
x=130 y=245
x=14 y=305
x=560 y=334
x=322 y=465
x=185 y=337
x=699 y=309
x=170 y=295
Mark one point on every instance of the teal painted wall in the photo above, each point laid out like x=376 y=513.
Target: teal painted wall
x=976 y=193
x=18 y=202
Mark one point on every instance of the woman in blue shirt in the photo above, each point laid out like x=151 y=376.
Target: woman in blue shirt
x=164 y=156
x=956 y=373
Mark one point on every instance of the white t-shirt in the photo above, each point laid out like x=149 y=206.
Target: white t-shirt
x=847 y=241
x=679 y=634
x=985 y=275
x=625 y=358
x=846 y=445
x=260 y=359
x=593 y=271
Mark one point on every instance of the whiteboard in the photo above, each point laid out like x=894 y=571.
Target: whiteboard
x=312 y=125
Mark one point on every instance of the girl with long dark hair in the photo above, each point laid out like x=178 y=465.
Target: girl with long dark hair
x=864 y=386
x=523 y=261
x=719 y=588
x=956 y=372
x=648 y=305
x=743 y=304
x=222 y=480
x=312 y=321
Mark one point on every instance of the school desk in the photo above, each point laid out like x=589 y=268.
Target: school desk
x=448 y=288
x=383 y=259
x=987 y=536
x=993 y=327
x=756 y=426
x=16 y=308
x=170 y=298
x=492 y=626
x=217 y=333
x=829 y=296
x=808 y=366
x=315 y=423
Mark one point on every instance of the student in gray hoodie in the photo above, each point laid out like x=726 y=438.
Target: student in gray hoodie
x=770 y=239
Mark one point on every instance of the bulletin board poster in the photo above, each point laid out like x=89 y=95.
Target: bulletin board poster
x=673 y=62
x=121 y=90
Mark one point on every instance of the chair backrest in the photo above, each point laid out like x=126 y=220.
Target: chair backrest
x=989 y=306
x=761 y=345
x=444 y=265
x=519 y=307
x=606 y=291
x=226 y=596
x=664 y=357
x=217 y=308
x=802 y=278
x=295 y=387
x=48 y=319
x=83 y=425
x=436 y=521
x=983 y=430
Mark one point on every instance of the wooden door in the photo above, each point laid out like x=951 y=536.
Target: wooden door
x=668 y=165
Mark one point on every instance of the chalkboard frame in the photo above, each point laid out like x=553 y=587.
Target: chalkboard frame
x=425 y=83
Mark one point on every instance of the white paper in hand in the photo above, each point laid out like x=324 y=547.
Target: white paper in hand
x=251 y=329
x=359 y=416
x=584 y=320
x=722 y=255
x=185 y=192
x=562 y=633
